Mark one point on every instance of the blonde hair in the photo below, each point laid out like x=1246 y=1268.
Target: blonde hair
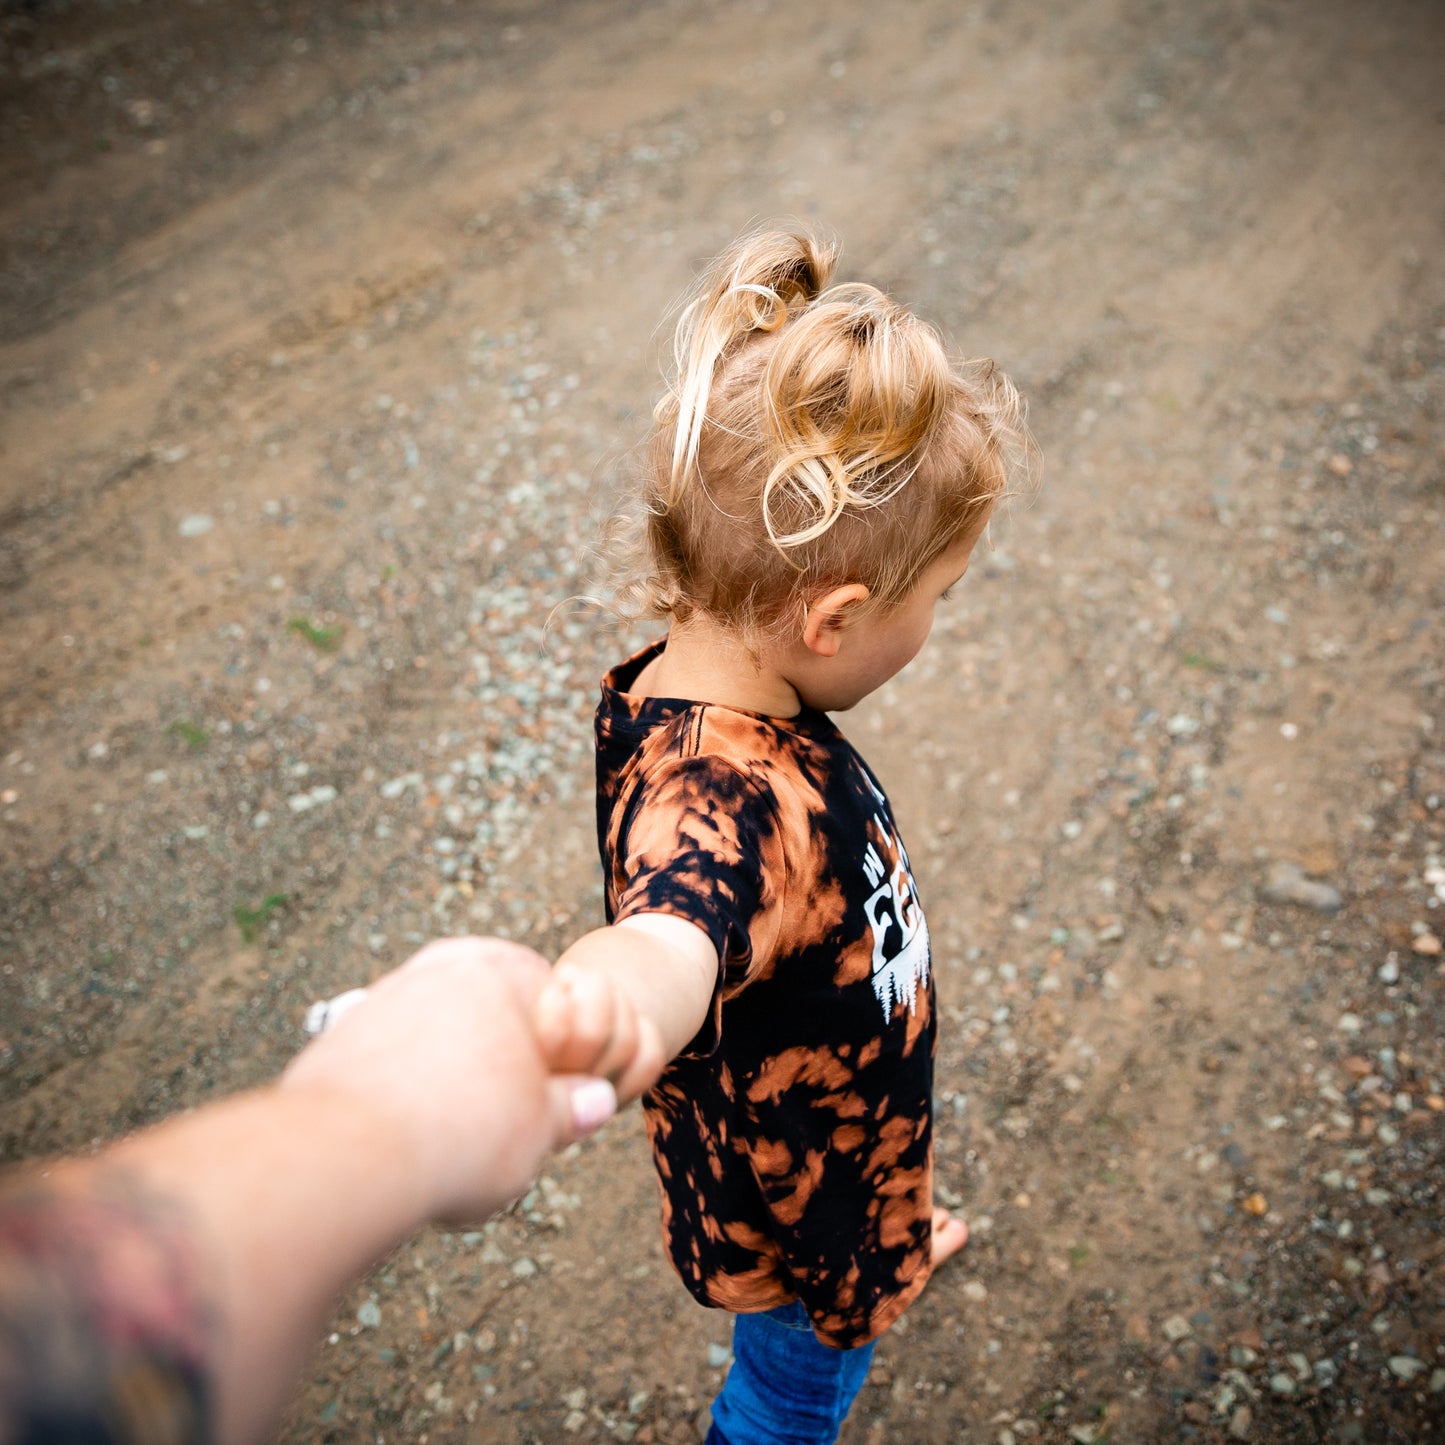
x=810 y=436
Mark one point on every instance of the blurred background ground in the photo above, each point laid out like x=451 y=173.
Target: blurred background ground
x=325 y=330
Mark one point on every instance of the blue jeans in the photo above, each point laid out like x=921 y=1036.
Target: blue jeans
x=785 y=1386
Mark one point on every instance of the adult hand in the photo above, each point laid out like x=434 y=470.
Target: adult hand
x=442 y=1054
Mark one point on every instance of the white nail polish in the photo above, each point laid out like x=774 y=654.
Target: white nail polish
x=593 y=1103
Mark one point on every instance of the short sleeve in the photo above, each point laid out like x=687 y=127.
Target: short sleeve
x=699 y=839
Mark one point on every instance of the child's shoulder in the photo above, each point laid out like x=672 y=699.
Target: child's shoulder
x=657 y=732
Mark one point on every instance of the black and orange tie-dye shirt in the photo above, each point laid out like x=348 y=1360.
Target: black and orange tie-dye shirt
x=793 y=1136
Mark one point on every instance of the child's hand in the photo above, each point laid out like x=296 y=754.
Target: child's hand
x=586 y=1024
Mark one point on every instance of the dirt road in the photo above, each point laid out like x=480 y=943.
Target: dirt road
x=324 y=333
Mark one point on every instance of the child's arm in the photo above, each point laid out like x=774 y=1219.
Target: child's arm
x=624 y=1000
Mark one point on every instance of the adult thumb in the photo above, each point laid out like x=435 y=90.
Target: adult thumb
x=580 y=1105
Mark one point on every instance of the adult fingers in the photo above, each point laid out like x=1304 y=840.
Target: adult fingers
x=575 y=1017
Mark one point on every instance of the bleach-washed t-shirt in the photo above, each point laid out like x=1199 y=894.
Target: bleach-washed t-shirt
x=793 y=1136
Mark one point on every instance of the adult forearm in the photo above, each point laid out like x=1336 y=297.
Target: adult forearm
x=171 y=1285
x=288 y=1195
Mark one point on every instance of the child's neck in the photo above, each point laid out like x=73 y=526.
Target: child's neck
x=704 y=662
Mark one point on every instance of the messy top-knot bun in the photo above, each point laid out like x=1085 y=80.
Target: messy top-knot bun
x=812 y=435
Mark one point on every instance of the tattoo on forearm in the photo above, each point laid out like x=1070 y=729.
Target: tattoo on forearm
x=103 y=1334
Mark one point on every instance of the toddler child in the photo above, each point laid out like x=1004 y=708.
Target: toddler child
x=817 y=478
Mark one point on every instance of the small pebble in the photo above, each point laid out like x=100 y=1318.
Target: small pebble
x=1282 y=1384
x=369 y=1315
x=1176 y=1328
x=718 y=1356
x=1287 y=883
x=304 y=802
x=524 y=1268
x=1405 y=1367
x=196 y=525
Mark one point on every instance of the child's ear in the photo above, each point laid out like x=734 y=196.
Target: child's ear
x=828 y=615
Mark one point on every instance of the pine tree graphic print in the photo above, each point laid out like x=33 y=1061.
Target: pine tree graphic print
x=900 y=931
